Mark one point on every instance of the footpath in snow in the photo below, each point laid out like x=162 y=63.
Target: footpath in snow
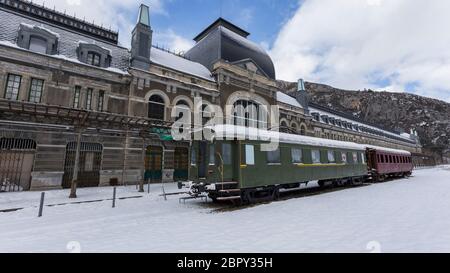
x=407 y=215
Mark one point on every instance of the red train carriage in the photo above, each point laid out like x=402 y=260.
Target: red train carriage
x=389 y=163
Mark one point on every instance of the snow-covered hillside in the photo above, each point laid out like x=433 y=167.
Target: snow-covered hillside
x=409 y=215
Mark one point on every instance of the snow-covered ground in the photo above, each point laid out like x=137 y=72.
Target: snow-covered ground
x=408 y=215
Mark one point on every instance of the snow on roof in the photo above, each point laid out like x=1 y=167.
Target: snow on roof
x=181 y=64
x=40 y=27
x=313 y=110
x=65 y=58
x=388 y=150
x=284 y=98
x=232 y=131
x=241 y=40
x=93 y=43
x=226 y=131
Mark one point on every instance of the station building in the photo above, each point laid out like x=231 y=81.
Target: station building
x=64 y=82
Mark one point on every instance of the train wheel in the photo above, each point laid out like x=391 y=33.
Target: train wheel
x=276 y=194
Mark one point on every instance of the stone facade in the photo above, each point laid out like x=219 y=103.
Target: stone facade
x=124 y=90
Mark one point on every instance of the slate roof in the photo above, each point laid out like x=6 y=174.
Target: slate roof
x=221 y=42
x=67 y=42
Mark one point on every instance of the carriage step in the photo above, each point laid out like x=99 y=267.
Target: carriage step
x=230 y=191
x=230 y=198
x=226 y=183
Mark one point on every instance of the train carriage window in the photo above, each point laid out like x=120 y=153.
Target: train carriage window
x=331 y=157
x=249 y=155
x=386 y=159
x=274 y=157
x=355 y=157
x=390 y=159
x=315 y=154
x=226 y=154
x=297 y=156
x=344 y=157
x=193 y=157
x=212 y=154
x=363 y=158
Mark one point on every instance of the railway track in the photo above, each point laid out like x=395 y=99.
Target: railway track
x=284 y=196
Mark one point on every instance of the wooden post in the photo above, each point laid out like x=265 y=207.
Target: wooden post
x=73 y=189
x=163 y=167
x=125 y=158
x=114 y=197
x=141 y=183
x=41 y=204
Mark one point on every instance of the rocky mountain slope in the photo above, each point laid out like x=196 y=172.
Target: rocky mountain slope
x=393 y=111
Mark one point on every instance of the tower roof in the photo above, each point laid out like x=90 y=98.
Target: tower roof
x=224 y=23
x=144 y=15
x=224 y=41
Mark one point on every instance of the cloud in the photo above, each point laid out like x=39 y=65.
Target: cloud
x=380 y=44
x=169 y=39
x=120 y=15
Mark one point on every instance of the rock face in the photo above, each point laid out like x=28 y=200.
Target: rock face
x=393 y=111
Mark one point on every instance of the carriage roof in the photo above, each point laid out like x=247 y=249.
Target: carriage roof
x=245 y=133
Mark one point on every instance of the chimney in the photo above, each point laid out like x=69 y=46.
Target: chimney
x=302 y=96
x=141 y=41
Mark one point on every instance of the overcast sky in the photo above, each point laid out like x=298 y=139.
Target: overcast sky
x=394 y=45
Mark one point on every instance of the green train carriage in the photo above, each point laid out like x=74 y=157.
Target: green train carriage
x=232 y=166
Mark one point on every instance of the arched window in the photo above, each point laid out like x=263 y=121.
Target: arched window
x=294 y=127
x=303 y=130
x=183 y=107
x=284 y=127
x=249 y=114
x=156 y=107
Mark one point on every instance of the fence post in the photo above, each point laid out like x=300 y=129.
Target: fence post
x=41 y=205
x=114 y=198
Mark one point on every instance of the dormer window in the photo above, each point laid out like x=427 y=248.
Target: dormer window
x=37 y=39
x=38 y=44
x=94 y=59
x=94 y=55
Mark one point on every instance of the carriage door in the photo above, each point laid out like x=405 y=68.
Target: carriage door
x=89 y=167
x=153 y=164
x=16 y=163
x=181 y=163
x=202 y=158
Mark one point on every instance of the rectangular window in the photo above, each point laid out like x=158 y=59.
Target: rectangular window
x=89 y=162
x=101 y=100
x=315 y=154
x=193 y=157
x=249 y=155
x=36 y=90
x=297 y=156
x=344 y=157
x=226 y=154
x=93 y=59
x=89 y=98
x=76 y=97
x=363 y=158
x=13 y=87
x=355 y=158
x=331 y=157
x=212 y=154
x=274 y=157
